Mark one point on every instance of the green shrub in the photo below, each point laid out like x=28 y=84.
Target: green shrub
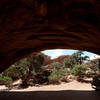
x=57 y=73
x=5 y=80
x=93 y=65
x=41 y=77
x=76 y=58
x=78 y=70
x=15 y=72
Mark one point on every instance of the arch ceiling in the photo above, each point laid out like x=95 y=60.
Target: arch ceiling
x=28 y=26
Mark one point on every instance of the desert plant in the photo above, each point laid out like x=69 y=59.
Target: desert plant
x=15 y=72
x=58 y=71
x=34 y=67
x=93 y=65
x=25 y=68
x=41 y=77
x=5 y=80
x=79 y=70
x=75 y=59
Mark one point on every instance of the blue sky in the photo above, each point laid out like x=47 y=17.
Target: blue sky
x=54 y=53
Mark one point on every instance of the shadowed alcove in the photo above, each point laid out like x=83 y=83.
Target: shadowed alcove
x=29 y=26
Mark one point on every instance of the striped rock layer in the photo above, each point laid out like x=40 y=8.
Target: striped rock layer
x=29 y=26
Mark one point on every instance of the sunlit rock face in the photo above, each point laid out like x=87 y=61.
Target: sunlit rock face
x=28 y=26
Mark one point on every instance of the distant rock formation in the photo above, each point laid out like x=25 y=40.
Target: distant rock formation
x=60 y=58
x=48 y=60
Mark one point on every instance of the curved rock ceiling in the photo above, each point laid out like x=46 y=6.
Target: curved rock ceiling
x=28 y=26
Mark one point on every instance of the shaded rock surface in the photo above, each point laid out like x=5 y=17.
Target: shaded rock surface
x=28 y=26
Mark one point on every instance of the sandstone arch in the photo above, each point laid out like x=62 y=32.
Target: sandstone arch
x=28 y=26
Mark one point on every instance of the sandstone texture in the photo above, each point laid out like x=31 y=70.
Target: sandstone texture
x=29 y=26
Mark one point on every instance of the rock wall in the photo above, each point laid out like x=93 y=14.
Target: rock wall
x=28 y=26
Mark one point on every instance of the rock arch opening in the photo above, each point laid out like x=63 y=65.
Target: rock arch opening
x=73 y=69
x=28 y=26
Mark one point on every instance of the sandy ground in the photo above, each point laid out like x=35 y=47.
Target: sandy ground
x=74 y=85
x=66 y=91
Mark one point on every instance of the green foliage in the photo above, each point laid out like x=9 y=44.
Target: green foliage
x=20 y=69
x=58 y=71
x=30 y=69
x=74 y=59
x=35 y=61
x=93 y=65
x=69 y=62
x=56 y=65
x=34 y=67
x=41 y=77
x=79 y=58
x=15 y=71
x=39 y=58
x=5 y=80
x=79 y=70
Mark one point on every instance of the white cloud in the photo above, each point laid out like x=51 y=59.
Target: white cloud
x=54 y=53
x=57 y=53
x=94 y=57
